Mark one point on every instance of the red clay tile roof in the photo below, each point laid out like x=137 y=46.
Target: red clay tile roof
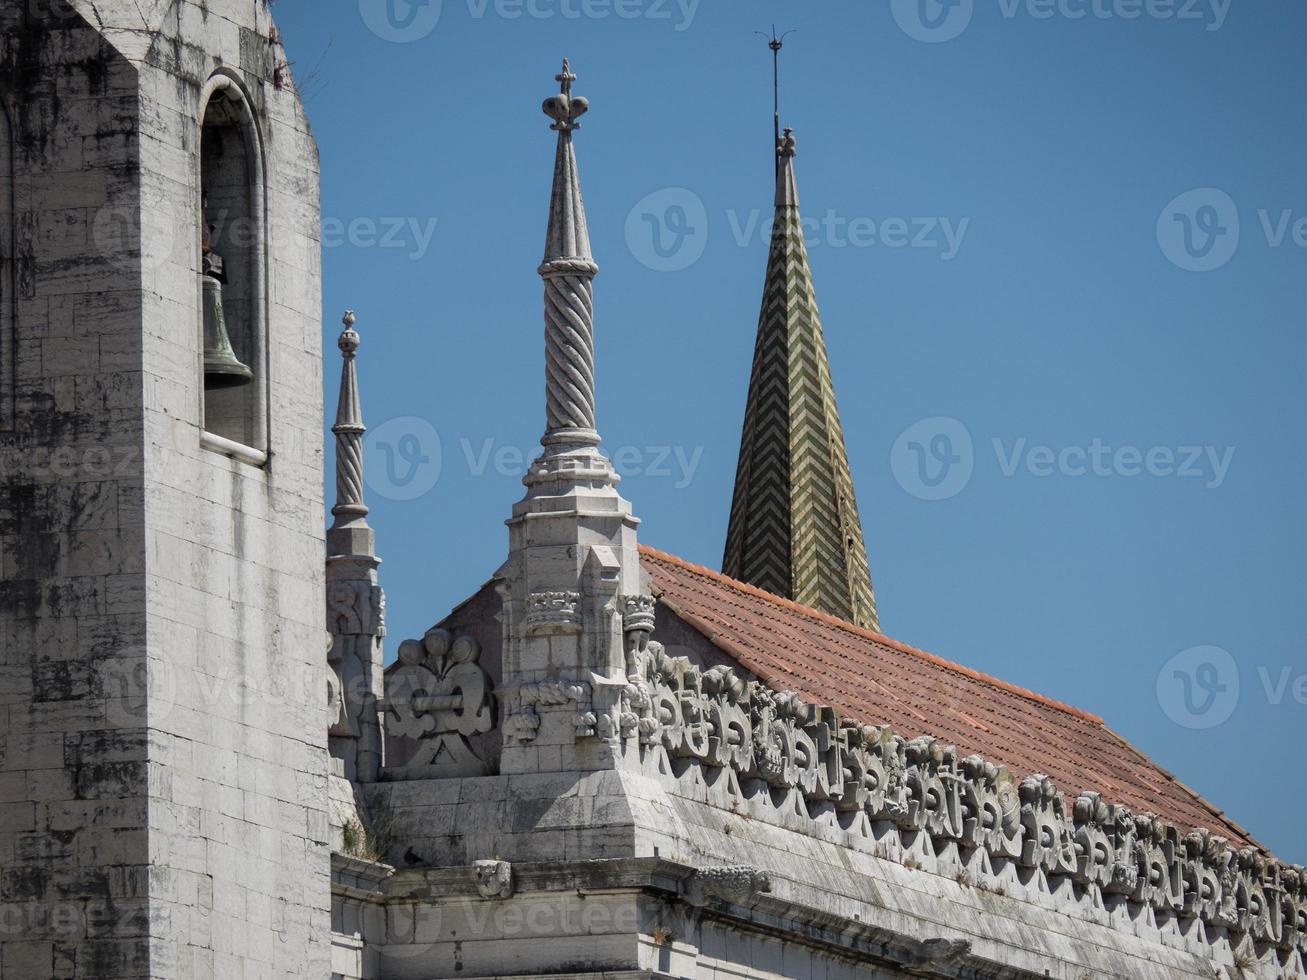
x=876 y=680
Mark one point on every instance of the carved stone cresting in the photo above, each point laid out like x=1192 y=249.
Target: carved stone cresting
x=959 y=813
x=554 y=612
x=440 y=696
x=494 y=879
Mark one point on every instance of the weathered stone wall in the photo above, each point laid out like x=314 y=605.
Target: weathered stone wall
x=74 y=864
x=236 y=607
x=163 y=801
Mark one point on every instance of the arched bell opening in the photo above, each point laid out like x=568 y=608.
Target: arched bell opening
x=233 y=250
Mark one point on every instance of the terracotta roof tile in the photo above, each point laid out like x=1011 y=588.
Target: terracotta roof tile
x=876 y=680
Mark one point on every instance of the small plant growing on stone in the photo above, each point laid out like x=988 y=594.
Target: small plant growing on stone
x=1244 y=962
x=351 y=838
x=368 y=843
x=661 y=936
x=963 y=878
x=911 y=863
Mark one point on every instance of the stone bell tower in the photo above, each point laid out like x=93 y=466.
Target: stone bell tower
x=163 y=739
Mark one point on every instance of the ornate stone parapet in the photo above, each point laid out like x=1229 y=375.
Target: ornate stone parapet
x=958 y=812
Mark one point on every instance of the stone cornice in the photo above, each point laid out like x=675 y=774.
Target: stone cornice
x=736 y=894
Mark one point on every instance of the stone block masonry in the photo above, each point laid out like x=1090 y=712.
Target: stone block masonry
x=163 y=764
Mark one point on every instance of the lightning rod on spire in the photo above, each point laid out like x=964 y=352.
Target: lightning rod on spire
x=776 y=42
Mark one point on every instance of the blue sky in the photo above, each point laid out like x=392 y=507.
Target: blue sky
x=1057 y=249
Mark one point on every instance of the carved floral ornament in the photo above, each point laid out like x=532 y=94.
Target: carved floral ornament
x=440 y=696
x=838 y=770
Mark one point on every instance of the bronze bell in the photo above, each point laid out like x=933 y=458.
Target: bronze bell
x=222 y=368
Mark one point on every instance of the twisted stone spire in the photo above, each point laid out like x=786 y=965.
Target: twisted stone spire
x=356 y=604
x=568 y=270
x=794 y=527
x=350 y=510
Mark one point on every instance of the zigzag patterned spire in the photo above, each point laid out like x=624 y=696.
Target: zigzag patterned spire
x=794 y=527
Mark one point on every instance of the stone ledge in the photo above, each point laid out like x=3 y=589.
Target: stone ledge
x=358 y=878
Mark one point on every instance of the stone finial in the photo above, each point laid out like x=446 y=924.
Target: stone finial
x=568 y=270
x=350 y=510
x=564 y=108
x=349 y=338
